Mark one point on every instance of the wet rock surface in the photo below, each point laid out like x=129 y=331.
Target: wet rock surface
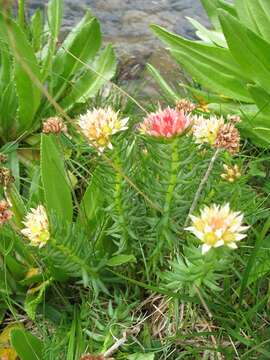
x=125 y=23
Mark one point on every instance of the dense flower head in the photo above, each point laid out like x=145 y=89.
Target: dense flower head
x=3 y=158
x=165 y=123
x=228 y=138
x=231 y=173
x=6 y=177
x=37 y=226
x=54 y=125
x=185 y=105
x=5 y=212
x=99 y=125
x=205 y=130
x=217 y=226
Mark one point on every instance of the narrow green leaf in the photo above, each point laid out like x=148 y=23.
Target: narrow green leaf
x=213 y=67
x=249 y=50
x=167 y=91
x=36 y=27
x=262 y=100
x=21 y=13
x=55 y=182
x=29 y=94
x=91 y=206
x=120 y=260
x=244 y=14
x=260 y=13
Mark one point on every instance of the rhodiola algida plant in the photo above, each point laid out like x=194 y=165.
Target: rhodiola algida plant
x=108 y=190
x=32 y=58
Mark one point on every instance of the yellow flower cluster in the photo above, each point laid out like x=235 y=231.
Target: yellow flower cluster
x=99 y=125
x=217 y=226
x=231 y=173
x=205 y=131
x=37 y=226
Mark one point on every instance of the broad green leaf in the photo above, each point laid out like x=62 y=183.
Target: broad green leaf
x=167 y=91
x=16 y=269
x=250 y=50
x=27 y=346
x=244 y=14
x=92 y=203
x=262 y=100
x=18 y=206
x=209 y=36
x=6 y=66
x=213 y=77
x=8 y=109
x=37 y=29
x=120 y=260
x=55 y=182
x=213 y=67
x=260 y=13
x=29 y=95
x=211 y=7
x=6 y=352
x=82 y=50
x=91 y=82
x=58 y=63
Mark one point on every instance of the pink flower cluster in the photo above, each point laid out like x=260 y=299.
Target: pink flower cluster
x=165 y=123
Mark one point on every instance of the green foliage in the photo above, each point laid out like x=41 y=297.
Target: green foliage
x=230 y=62
x=31 y=57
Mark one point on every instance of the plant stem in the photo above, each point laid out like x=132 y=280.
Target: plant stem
x=201 y=186
x=173 y=178
x=173 y=173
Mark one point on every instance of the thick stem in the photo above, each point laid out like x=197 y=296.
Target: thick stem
x=173 y=178
x=201 y=186
x=173 y=173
